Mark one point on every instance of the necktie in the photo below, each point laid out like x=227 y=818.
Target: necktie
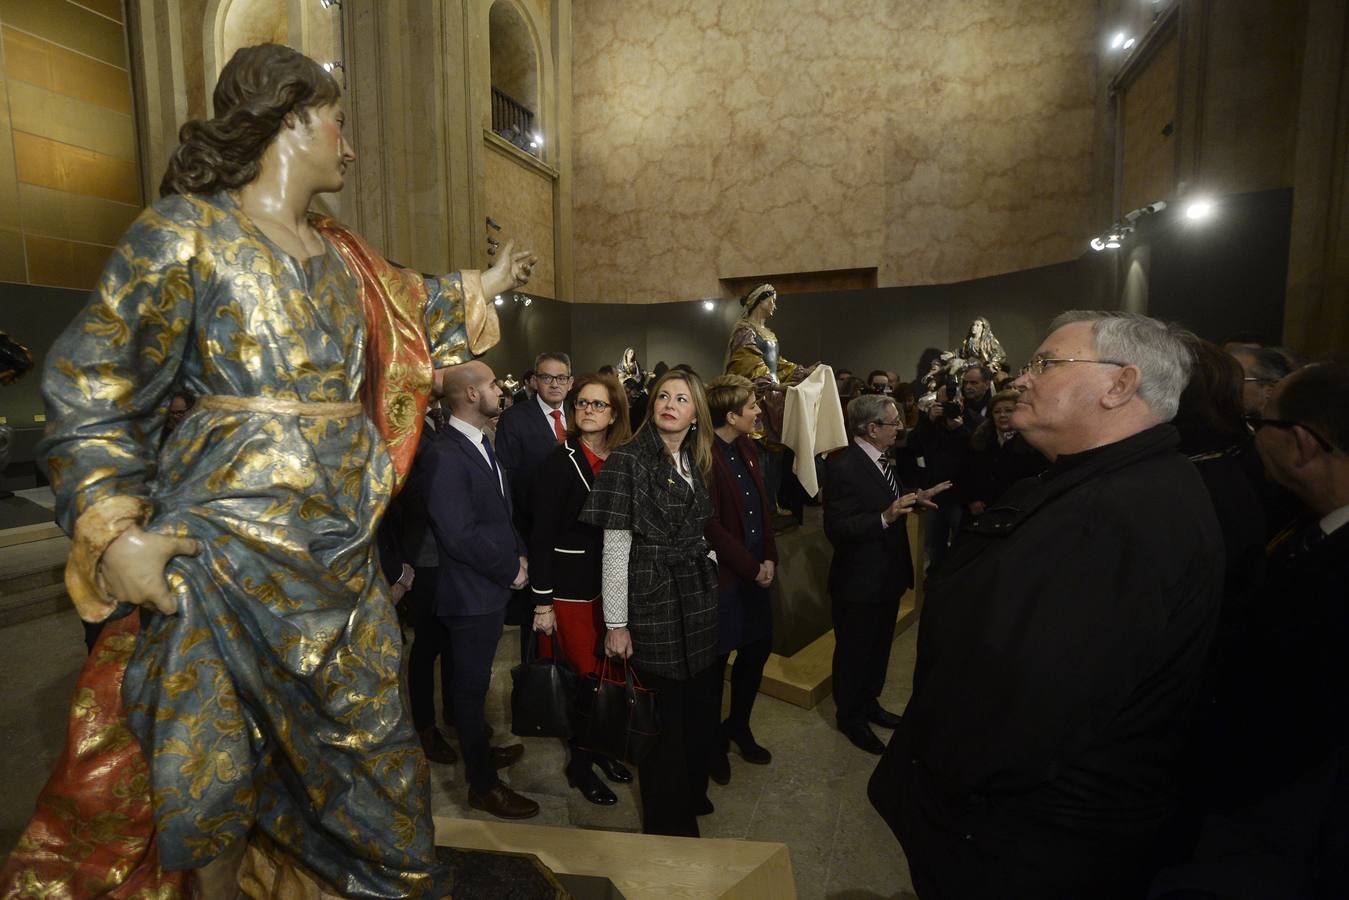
x=558 y=431
x=492 y=459
x=889 y=475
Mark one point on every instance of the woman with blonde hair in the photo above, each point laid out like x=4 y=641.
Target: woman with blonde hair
x=660 y=591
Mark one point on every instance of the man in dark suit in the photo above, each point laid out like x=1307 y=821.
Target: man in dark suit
x=1281 y=782
x=526 y=434
x=530 y=430
x=871 y=569
x=406 y=532
x=482 y=559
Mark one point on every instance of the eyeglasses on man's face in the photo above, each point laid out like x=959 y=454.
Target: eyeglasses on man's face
x=596 y=405
x=1255 y=423
x=1038 y=365
x=552 y=379
x=894 y=424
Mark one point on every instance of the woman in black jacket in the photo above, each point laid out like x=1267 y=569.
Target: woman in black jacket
x=564 y=553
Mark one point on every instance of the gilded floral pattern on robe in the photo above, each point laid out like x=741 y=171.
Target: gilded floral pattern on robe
x=272 y=699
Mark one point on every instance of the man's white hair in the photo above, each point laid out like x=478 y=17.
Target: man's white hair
x=1153 y=346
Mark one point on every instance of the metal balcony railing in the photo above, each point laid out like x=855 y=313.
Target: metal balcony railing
x=513 y=121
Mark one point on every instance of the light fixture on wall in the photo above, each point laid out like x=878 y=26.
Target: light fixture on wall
x=334 y=65
x=329 y=4
x=1121 y=230
x=535 y=141
x=709 y=305
x=1199 y=208
x=497 y=300
x=1122 y=41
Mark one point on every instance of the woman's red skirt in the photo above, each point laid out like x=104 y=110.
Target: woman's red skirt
x=579 y=634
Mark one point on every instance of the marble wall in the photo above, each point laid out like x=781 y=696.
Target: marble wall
x=936 y=140
x=520 y=199
x=69 y=181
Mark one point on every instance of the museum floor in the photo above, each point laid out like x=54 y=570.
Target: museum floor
x=812 y=797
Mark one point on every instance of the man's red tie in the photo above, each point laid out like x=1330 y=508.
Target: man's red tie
x=558 y=430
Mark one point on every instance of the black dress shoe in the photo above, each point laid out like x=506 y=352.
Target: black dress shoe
x=504 y=803
x=884 y=719
x=863 y=738
x=613 y=770
x=703 y=807
x=594 y=790
x=719 y=768
x=507 y=756
x=749 y=748
x=436 y=748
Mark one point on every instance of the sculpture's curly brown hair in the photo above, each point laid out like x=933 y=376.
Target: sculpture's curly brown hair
x=258 y=88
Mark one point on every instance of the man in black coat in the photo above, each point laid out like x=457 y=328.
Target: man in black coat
x=1281 y=820
x=871 y=569
x=1063 y=643
x=482 y=559
x=526 y=433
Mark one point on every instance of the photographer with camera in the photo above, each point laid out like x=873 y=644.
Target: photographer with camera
x=940 y=445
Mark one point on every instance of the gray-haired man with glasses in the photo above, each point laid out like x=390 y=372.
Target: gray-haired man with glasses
x=1063 y=642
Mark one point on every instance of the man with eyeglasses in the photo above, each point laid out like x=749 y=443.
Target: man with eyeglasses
x=1063 y=643
x=526 y=433
x=1283 y=776
x=1261 y=368
x=864 y=508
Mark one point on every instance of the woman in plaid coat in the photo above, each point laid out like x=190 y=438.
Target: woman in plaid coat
x=660 y=591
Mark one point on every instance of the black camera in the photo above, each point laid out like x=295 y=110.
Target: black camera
x=951 y=409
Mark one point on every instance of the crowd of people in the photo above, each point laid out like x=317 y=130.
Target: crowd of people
x=1130 y=678
x=1098 y=584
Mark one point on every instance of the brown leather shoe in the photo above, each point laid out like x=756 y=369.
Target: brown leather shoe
x=504 y=803
x=436 y=748
x=507 y=756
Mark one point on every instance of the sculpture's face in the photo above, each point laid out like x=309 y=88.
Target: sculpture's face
x=769 y=305
x=311 y=149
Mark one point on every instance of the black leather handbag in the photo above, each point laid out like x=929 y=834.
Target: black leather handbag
x=543 y=695
x=619 y=718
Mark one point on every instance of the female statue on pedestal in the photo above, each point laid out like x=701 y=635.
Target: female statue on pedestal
x=753 y=352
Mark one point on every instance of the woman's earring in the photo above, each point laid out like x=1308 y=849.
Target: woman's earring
x=694 y=426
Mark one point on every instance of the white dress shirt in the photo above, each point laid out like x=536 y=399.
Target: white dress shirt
x=875 y=456
x=548 y=411
x=475 y=435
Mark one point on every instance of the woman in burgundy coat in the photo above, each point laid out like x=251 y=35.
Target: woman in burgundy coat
x=741 y=533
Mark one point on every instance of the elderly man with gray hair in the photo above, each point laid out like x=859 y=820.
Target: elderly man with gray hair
x=864 y=504
x=1063 y=644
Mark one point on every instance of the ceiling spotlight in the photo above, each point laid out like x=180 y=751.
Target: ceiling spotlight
x=334 y=65
x=1112 y=242
x=497 y=300
x=1199 y=209
x=1117 y=41
x=709 y=305
x=1097 y=244
x=1128 y=45
x=528 y=300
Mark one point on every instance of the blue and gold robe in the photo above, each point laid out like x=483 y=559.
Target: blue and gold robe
x=270 y=703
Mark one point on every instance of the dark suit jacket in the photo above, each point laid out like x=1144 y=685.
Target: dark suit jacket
x=871 y=562
x=524 y=439
x=726 y=530
x=478 y=544
x=564 y=552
